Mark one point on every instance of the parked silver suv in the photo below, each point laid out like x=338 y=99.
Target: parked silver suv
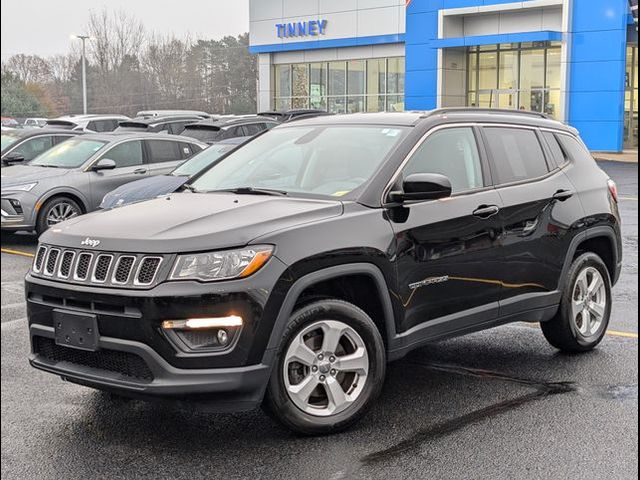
x=72 y=178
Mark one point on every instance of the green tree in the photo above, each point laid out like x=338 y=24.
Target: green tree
x=17 y=99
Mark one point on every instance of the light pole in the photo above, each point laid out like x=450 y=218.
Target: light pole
x=84 y=38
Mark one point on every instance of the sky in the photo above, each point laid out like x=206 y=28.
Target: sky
x=43 y=27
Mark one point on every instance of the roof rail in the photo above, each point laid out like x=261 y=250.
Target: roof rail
x=499 y=111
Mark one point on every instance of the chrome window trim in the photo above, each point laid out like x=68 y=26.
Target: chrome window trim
x=89 y=267
x=115 y=269
x=73 y=259
x=135 y=279
x=95 y=266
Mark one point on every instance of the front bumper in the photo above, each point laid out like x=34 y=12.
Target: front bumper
x=135 y=357
x=18 y=220
x=222 y=389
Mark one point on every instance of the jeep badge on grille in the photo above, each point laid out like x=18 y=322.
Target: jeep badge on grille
x=90 y=242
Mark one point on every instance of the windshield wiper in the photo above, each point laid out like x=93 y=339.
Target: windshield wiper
x=191 y=188
x=251 y=191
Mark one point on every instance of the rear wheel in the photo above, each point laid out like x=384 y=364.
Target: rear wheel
x=56 y=210
x=585 y=309
x=330 y=368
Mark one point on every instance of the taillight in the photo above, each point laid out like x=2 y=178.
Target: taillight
x=613 y=189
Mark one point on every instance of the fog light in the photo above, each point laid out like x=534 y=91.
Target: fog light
x=201 y=323
x=223 y=337
x=16 y=205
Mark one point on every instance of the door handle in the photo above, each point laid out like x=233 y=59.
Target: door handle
x=563 y=195
x=140 y=171
x=486 y=211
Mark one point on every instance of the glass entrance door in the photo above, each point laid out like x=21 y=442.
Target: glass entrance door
x=631 y=100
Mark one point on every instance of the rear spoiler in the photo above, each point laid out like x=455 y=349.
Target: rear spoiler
x=61 y=124
x=133 y=124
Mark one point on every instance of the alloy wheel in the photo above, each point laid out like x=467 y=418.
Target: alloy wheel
x=325 y=368
x=589 y=302
x=60 y=212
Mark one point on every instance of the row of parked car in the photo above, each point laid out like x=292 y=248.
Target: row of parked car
x=66 y=168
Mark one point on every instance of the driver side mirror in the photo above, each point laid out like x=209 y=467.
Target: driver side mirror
x=104 y=164
x=422 y=186
x=13 y=158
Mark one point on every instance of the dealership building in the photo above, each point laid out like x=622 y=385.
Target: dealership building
x=575 y=60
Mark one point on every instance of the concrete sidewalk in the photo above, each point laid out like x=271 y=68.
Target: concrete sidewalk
x=628 y=156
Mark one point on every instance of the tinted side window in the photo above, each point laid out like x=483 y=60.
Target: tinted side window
x=516 y=154
x=251 y=129
x=452 y=152
x=557 y=153
x=176 y=128
x=233 y=132
x=33 y=147
x=163 y=151
x=126 y=154
x=61 y=138
x=574 y=148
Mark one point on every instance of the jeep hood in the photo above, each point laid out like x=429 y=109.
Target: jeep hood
x=19 y=174
x=188 y=222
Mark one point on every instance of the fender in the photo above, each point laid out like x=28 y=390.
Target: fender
x=60 y=191
x=286 y=309
x=594 y=232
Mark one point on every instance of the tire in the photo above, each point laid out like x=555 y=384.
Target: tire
x=53 y=205
x=320 y=415
x=568 y=331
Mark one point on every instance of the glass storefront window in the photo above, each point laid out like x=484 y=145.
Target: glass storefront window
x=395 y=75
x=487 y=68
x=337 y=78
x=515 y=76
x=283 y=80
x=508 y=72
x=631 y=99
x=341 y=87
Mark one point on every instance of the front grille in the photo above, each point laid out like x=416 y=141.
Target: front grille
x=39 y=260
x=124 y=363
x=65 y=263
x=123 y=269
x=52 y=260
x=101 y=270
x=98 y=268
x=147 y=271
x=82 y=267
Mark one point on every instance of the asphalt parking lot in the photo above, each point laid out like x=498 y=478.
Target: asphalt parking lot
x=497 y=404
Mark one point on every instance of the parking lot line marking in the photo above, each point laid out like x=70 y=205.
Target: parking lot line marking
x=629 y=199
x=616 y=333
x=17 y=252
x=611 y=333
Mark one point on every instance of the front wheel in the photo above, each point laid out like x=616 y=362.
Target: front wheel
x=585 y=308
x=56 y=210
x=330 y=368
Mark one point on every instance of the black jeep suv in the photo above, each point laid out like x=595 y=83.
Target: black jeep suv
x=292 y=270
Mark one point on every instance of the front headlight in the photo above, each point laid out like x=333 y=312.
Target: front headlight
x=222 y=265
x=25 y=187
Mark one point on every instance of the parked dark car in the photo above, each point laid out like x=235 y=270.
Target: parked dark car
x=21 y=146
x=152 y=187
x=171 y=124
x=213 y=130
x=297 y=267
x=72 y=178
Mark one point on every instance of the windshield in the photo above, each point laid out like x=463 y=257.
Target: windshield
x=321 y=160
x=8 y=139
x=202 y=160
x=71 y=153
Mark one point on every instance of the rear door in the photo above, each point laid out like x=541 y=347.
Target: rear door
x=539 y=209
x=163 y=156
x=447 y=250
x=129 y=160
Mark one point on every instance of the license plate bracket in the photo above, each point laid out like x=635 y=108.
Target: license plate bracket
x=76 y=330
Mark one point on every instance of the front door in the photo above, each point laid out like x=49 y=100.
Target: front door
x=130 y=166
x=447 y=249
